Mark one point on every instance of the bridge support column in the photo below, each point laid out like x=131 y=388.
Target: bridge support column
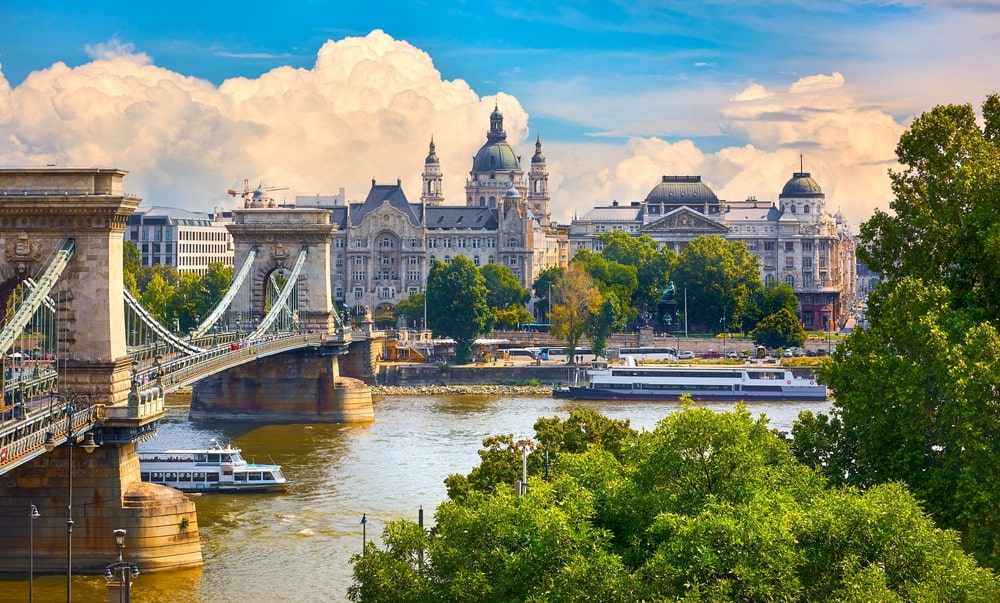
x=294 y=387
x=107 y=494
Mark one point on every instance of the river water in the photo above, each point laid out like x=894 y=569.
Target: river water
x=296 y=546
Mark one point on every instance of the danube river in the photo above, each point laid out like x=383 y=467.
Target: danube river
x=296 y=546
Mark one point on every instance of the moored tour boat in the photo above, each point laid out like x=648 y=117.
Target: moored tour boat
x=217 y=469
x=703 y=383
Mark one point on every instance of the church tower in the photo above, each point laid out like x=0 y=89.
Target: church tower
x=431 y=193
x=538 y=185
x=495 y=168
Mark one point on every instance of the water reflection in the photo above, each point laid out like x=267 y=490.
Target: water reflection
x=296 y=546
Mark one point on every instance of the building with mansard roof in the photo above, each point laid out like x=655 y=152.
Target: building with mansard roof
x=797 y=241
x=384 y=245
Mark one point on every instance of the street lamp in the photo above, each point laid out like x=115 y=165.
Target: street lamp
x=89 y=445
x=33 y=514
x=121 y=572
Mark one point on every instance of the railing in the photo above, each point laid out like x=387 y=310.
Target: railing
x=23 y=440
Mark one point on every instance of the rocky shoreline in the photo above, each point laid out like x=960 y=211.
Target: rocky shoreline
x=462 y=390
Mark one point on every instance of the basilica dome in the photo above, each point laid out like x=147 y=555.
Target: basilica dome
x=496 y=154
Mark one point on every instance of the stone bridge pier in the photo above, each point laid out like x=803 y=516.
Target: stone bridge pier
x=40 y=208
x=293 y=387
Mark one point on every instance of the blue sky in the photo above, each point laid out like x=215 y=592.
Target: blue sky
x=305 y=95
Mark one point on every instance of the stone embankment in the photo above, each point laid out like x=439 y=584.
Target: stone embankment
x=462 y=389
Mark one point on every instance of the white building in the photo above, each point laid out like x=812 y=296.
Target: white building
x=175 y=237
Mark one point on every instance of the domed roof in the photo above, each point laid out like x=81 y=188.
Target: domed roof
x=512 y=193
x=496 y=154
x=431 y=155
x=801 y=185
x=538 y=157
x=681 y=189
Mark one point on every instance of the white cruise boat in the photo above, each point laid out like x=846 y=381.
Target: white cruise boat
x=217 y=469
x=708 y=383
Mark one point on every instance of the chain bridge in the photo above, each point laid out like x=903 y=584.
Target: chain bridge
x=87 y=366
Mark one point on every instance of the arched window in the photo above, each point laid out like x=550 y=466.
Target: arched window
x=790 y=280
x=805 y=208
x=482 y=202
x=769 y=280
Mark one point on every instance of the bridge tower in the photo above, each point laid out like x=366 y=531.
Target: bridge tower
x=300 y=386
x=41 y=209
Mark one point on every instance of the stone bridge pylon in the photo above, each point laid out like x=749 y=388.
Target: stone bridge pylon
x=293 y=387
x=83 y=497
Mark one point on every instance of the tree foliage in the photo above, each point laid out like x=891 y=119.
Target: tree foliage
x=456 y=303
x=779 y=330
x=503 y=290
x=543 y=290
x=770 y=300
x=706 y=507
x=575 y=298
x=652 y=264
x=720 y=277
x=916 y=397
x=610 y=277
x=411 y=309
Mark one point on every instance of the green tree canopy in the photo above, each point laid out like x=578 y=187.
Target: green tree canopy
x=609 y=276
x=706 y=507
x=411 y=309
x=943 y=226
x=543 y=289
x=720 y=277
x=768 y=301
x=456 y=303
x=503 y=290
x=652 y=265
x=779 y=330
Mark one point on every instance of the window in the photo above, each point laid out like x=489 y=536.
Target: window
x=491 y=243
x=513 y=261
x=340 y=261
x=359 y=275
x=807 y=279
x=512 y=242
x=790 y=280
x=789 y=261
x=387 y=260
x=792 y=208
x=338 y=293
x=386 y=243
x=807 y=245
x=358 y=292
x=447 y=243
x=413 y=275
x=475 y=243
x=461 y=243
x=475 y=260
x=768 y=245
x=359 y=261
x=805 y=208
x=789 y=246
x=431 y=243
x=490 y=260
x=414 y=260
x=807 y=263
x=385 y=293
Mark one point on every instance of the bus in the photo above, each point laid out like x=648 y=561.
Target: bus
x=536 y=327
x=649 y=353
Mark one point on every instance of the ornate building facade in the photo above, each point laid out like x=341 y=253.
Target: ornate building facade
x=384 y=246
x=797 y=241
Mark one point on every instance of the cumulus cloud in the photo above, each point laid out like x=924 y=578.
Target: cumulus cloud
x=368 y=108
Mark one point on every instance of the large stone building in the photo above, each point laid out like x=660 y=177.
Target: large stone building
x=797 y=241
x=384 y=246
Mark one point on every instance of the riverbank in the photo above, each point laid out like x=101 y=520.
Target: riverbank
x=462 y=390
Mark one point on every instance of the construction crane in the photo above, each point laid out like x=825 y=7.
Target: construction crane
x=256 y=198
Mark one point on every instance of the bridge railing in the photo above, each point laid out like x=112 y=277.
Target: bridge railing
x=146 y=403
x=24 y=439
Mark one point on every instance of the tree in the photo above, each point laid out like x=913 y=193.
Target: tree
x=511 y=317
x=456 y=304
x=916 y=402
x=610 y=277
x=575 y=298
x=131 y=265
x=944 y=225
x=652 y=265
x=503 y=288
x=608 y=319
x=769 y=301
x=411 y=309
x=543 y=291
x=720 y=278
x=708 y=506
x=915 y=393
x=156 y=296
x=779 y=330
x=215 y=282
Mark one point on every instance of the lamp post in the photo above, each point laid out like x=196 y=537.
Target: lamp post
x=89 y=445
x=364 y=532
x=33 y=515
x=120 y=573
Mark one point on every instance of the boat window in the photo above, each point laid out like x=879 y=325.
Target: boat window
x=255 y=476
x=156 y=476
x=185 y=477
x=171 y=476
x=213 y=477
x=144 y=476
x=240 y=477
x=227 y=458
x=213 y=458
x=268 y=475
x=198 y=477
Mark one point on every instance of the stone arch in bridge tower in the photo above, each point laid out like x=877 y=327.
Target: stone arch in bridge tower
x=279 y=234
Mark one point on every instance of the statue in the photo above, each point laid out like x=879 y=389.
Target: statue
x=667 y=308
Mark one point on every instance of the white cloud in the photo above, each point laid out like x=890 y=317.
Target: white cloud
x=368 y=108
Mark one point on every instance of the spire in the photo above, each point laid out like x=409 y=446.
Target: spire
x=431 y=154
x=496 y=133
x=538 y=157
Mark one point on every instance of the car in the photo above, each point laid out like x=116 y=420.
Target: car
x=787 y=353
x=686 y=355
x=712 y=354
x=732 y=355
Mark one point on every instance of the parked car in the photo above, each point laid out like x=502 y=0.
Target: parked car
x=686 y=355
x=732 y=355
x=712 y=354
x=786 y=353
